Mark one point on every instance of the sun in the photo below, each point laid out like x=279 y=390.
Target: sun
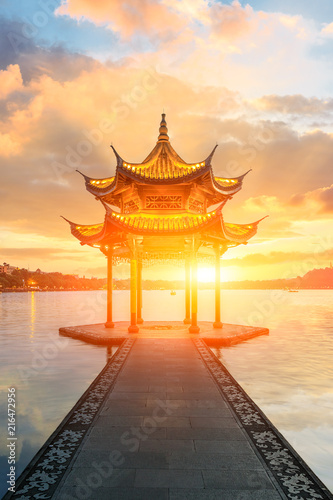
x=206 y=274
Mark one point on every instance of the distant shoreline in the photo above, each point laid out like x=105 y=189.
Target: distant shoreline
x=165 y=290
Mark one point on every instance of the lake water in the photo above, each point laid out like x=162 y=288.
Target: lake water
x=288 y=373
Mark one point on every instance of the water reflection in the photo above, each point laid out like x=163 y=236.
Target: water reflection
x=49 y=372
x=288 y=373
x=32 y=315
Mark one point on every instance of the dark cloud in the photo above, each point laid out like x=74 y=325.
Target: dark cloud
x=322 y=196
x=296 y=104
x=17 y=47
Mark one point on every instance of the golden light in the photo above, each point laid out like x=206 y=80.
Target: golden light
x=206 y=274
x=32 y=315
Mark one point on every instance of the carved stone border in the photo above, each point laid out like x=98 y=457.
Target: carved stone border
x=42 y=476
x=292 y=474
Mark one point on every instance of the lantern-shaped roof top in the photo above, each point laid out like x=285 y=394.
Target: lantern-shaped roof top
x=163 y=166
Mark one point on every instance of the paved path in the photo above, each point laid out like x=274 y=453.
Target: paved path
x=166 y=432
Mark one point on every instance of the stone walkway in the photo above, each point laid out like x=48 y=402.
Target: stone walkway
x=166 y=432
x=166 y=420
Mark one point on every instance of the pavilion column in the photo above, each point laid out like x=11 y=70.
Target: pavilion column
x=139 y=293
x=187 y=319
x=109 y=323
x=194 y=318
x=133 y=328
x=217 y=323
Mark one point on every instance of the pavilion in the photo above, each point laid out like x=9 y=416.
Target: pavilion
x=158 y=211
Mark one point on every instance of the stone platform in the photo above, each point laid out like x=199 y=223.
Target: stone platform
x=98 y=334
x=165 y=420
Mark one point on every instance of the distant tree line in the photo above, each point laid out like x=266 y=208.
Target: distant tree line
x=24 y=279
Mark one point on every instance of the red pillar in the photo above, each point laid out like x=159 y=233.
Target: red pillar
x=187 y=319
x=139 y=294
x=109 y=323
x=133 y=328
x=194 y=318
x=217 y=323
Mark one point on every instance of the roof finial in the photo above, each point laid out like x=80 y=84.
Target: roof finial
x=163 y=137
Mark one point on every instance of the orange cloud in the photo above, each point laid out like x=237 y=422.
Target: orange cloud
x=321 y=199
x=127 y=16
x=8 y=146
x=311 y=205
x=10 y=80
x=294 y=104
x=233 y=21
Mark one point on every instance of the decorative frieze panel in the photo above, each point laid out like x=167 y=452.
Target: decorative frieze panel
x=196 y=205
x=131 y=206
x=164 y=202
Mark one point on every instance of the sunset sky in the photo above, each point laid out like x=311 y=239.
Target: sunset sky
x=255 y=77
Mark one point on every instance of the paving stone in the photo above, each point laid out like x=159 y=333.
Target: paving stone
x=132 y=411
x=123 y=396
x=167 y=445
x=206 y=403
x=124 y=460
x=225 y=433
x=131 y=388
x=125 y=403
x=166 y=421
x=203 y=461
x=114 y=421
x=168 y=479
x=100 y=474
x=202 y=412
x=170 y=403
x=222 y=446
x=213 y=422
x=109 y=493
x=115 y=434
x=237 y=479
x=191 y=395
x=221 y=494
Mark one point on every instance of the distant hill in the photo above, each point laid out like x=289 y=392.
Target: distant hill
x=318 y=278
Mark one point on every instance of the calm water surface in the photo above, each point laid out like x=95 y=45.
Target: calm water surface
x=288 y=373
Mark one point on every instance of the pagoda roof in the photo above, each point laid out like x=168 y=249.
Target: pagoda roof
x=163 y=163
x=163 y=166
x=142 y=224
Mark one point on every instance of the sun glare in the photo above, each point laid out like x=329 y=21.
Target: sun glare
x=206 y=274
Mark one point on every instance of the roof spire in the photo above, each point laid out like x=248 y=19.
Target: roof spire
x=163 y=137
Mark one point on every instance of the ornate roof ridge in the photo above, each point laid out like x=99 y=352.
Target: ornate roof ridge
x=88 y=232
x=163 y=162
x=229 y=184
x=240 y=232
x=141 y=223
